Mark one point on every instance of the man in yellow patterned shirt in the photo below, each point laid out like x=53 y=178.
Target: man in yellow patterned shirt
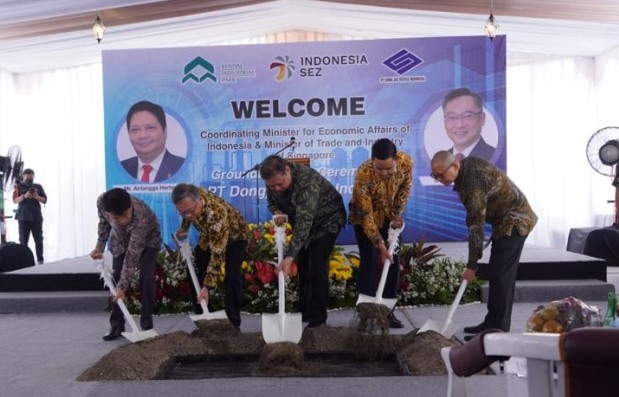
x=223 y=240
x=382 y=187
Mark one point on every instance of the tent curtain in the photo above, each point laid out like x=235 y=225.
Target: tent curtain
x=554 y=105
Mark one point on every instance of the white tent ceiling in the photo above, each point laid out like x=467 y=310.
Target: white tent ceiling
x=40 y=35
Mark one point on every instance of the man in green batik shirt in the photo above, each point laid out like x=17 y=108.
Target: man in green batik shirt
x=316 y=212
x=488 y=195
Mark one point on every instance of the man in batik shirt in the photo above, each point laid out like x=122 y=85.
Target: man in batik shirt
x=316 y=213
x=135 y=242
x=381 y=190
x=222 y=242
x=488 y=195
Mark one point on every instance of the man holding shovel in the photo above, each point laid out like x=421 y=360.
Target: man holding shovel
x=316 y=212
x=382 y=187
x=135 y=242
x=223 y=241
x=488 y=195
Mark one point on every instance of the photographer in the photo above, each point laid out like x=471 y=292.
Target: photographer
x=29 y=196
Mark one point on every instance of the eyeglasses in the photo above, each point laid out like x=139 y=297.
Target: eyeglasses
x=467 y=117
x=440 y=176
x=189 y=211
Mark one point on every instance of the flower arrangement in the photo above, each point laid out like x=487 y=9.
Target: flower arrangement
x=426 y=277
x=429 y=278
x=173 y=288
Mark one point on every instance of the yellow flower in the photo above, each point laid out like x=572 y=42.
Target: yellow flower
x=354 y=262
x=334 y=264
x=244 y=265
x=269 y=238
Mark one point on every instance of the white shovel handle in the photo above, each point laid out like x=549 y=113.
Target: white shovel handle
x=393 y=243
x=121 y=304
x=187 y=256
x=280 y=235
x=456 y=301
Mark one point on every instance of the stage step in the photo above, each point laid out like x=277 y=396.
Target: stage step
x=53 y=301
x=550 y=290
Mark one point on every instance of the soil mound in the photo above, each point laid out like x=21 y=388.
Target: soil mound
x=151 y=358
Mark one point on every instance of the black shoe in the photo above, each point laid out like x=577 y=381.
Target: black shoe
x=476 y=329
x=394 y=322
x=113 y=333
x=146 y=325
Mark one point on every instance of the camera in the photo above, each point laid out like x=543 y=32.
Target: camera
x=32 y=190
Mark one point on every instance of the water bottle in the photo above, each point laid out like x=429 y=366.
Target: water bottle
x=611 y=310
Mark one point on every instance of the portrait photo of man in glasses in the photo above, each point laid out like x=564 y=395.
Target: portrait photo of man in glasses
x=464 y=119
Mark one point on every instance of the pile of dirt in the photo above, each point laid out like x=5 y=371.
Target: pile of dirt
x=151 y=358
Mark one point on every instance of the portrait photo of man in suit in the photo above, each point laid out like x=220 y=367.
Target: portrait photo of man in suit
x=148 y=132
x=464 y=119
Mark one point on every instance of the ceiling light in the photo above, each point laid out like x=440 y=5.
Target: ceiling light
x=98 y=29
x=491 y=26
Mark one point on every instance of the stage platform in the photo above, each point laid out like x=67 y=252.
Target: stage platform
x=539 y=263
x=544 y=274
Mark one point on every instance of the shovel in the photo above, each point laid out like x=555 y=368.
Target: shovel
x=282 y=326
x=136 y=334
x=188 y=257
x=449 y=328
x=390 y=303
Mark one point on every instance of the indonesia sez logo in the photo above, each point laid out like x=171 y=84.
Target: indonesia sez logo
x=199 y=70
x=284 y=67
x=402 y=61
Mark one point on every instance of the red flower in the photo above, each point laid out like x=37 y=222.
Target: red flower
x=266 y=272
x=253 y=288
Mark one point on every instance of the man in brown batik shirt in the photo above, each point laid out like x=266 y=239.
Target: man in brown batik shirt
x=488 y=195
x=135 y=242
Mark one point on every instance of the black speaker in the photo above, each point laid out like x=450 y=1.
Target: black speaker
x=15 y=256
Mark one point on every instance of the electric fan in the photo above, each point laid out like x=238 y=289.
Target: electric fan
x=603 y=150
x=10 y=170
x=10 y=167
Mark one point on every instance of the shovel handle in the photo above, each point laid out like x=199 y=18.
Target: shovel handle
x=456 y=301
x=109 y=283
x=186 y=254
x=280 y=234
x=393 y=243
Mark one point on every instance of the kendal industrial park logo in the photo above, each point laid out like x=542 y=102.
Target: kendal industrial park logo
x=402 y=61
x=199 y=70
x=284 y=67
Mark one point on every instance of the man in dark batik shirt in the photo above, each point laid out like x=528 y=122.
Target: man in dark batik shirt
x=135 y=242
x=488 y=195
x=316 y=212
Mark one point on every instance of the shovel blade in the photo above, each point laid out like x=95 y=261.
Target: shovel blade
x=136 y=336
x=449 y=330
x=282 y=327
x=218 y=315
x=390 y=303
x=431 y=325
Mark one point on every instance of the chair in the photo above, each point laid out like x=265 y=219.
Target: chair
x=603 y=244
x=581 y=363
x=591 y=357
